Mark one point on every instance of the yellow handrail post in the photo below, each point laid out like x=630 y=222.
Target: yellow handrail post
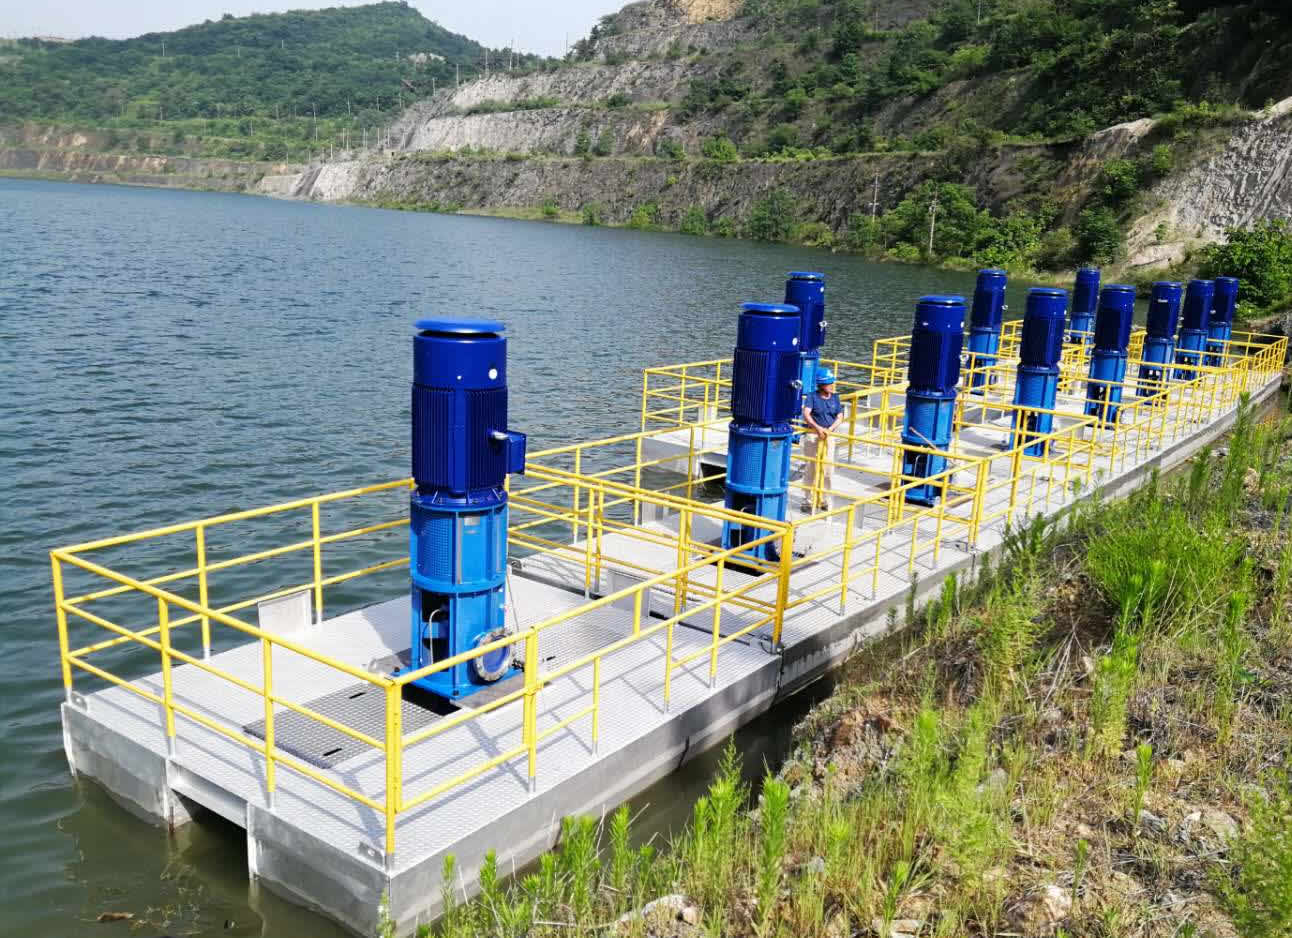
x=717 y=628
x=530 y=734
x=850 y=518
x=637 y=612
x=202 y=595
x=394 y=762
x=267 y=663
x=783 y=585
x=668 y=662
x=681 y=583
x=168 y=695
x=574 y=514
x=318 y=564
x=596 y=704
x=587 y=546
x=60 y=614
x=645 y=395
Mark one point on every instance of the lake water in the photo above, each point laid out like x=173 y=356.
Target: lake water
x=170 y=355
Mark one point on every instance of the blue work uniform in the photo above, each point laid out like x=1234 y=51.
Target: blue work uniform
x=825 y=411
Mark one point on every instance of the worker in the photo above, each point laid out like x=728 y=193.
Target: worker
x=822 y=412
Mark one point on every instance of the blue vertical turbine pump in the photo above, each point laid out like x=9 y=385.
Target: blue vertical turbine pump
x=1108 y=358
x=1085 y=299
x=1159 y=340
x=984 y=327
x=805 y=289
x=936 y=341
x=764 y=399
x=1221 y=325
x=1195 y=322
x=462 y=453
x=1040 y=350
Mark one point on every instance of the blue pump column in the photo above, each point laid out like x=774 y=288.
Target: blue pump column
x=984 y=327
x=462 y=453
x=1221 y=325
x=764 y=399
x=1108 y=358
x=1159 y=341
x=805 y=289
x=1085 y=299
x=1040 y=350
x=936 y=341
x=1195 y=323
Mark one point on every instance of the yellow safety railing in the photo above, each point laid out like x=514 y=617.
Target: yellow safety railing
x=619 y=505
x=696 y=575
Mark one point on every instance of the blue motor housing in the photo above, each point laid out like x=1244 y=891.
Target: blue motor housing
x=806 y=290
x=984 y=327
x=936 y=341
x=1195 y=324
x=1220 y=328
x=1108 y=358
x=1159 y=340
x=462 y=453
x=764 y=401
x=1040 y=351
x=1085 y=300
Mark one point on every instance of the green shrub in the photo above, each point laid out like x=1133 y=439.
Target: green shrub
x=550 y=208
x=593 y=213
x=772 y=218
x=814 y=234
x=694 y=221
x=720 y=149
x=618 y=99
x=582 y=144
x=1260 y=256
x=1099 y=236
x=645 y=215
x=1119 y=180
x=1258 y=892
x=724 y=227
x=781 y=137
x=605 y=143
x=667 y=148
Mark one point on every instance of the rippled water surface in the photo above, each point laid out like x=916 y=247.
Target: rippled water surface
x=170 y=355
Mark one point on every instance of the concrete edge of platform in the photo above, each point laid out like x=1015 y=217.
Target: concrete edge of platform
x=529 y=830
x=132 y=774
x=292 y=862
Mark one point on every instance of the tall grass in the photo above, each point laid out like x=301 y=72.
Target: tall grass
x=994 y=741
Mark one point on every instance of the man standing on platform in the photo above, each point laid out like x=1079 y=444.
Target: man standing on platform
x=822 y=412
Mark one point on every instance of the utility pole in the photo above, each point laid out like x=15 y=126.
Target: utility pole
x=486 y=64
x=457 y=75
x=933 y=217
x=874 y=202
x=347 y=107
x=163 y=48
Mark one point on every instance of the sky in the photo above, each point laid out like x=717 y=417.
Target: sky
x=535 y=25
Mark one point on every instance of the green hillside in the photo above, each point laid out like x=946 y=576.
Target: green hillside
x=333 y=61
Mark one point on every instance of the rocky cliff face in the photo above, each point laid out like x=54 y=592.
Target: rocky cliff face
x=1246 y=180
x=826 y=190
x=36 y=150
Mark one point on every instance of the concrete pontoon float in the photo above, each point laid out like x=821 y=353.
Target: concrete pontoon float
x=561 y=638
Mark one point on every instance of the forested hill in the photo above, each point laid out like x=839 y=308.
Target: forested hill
x=335 y=60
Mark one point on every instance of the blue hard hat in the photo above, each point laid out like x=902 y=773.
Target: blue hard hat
x=825 y=376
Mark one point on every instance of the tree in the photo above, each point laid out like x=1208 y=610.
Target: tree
x=1260 y=257
x=772 y=218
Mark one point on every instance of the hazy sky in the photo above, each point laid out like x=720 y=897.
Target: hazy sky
x=535 y=25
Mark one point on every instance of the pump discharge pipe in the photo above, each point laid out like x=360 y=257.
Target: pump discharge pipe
x=1085 y=299
x=805 y=289
x=1220 y=328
